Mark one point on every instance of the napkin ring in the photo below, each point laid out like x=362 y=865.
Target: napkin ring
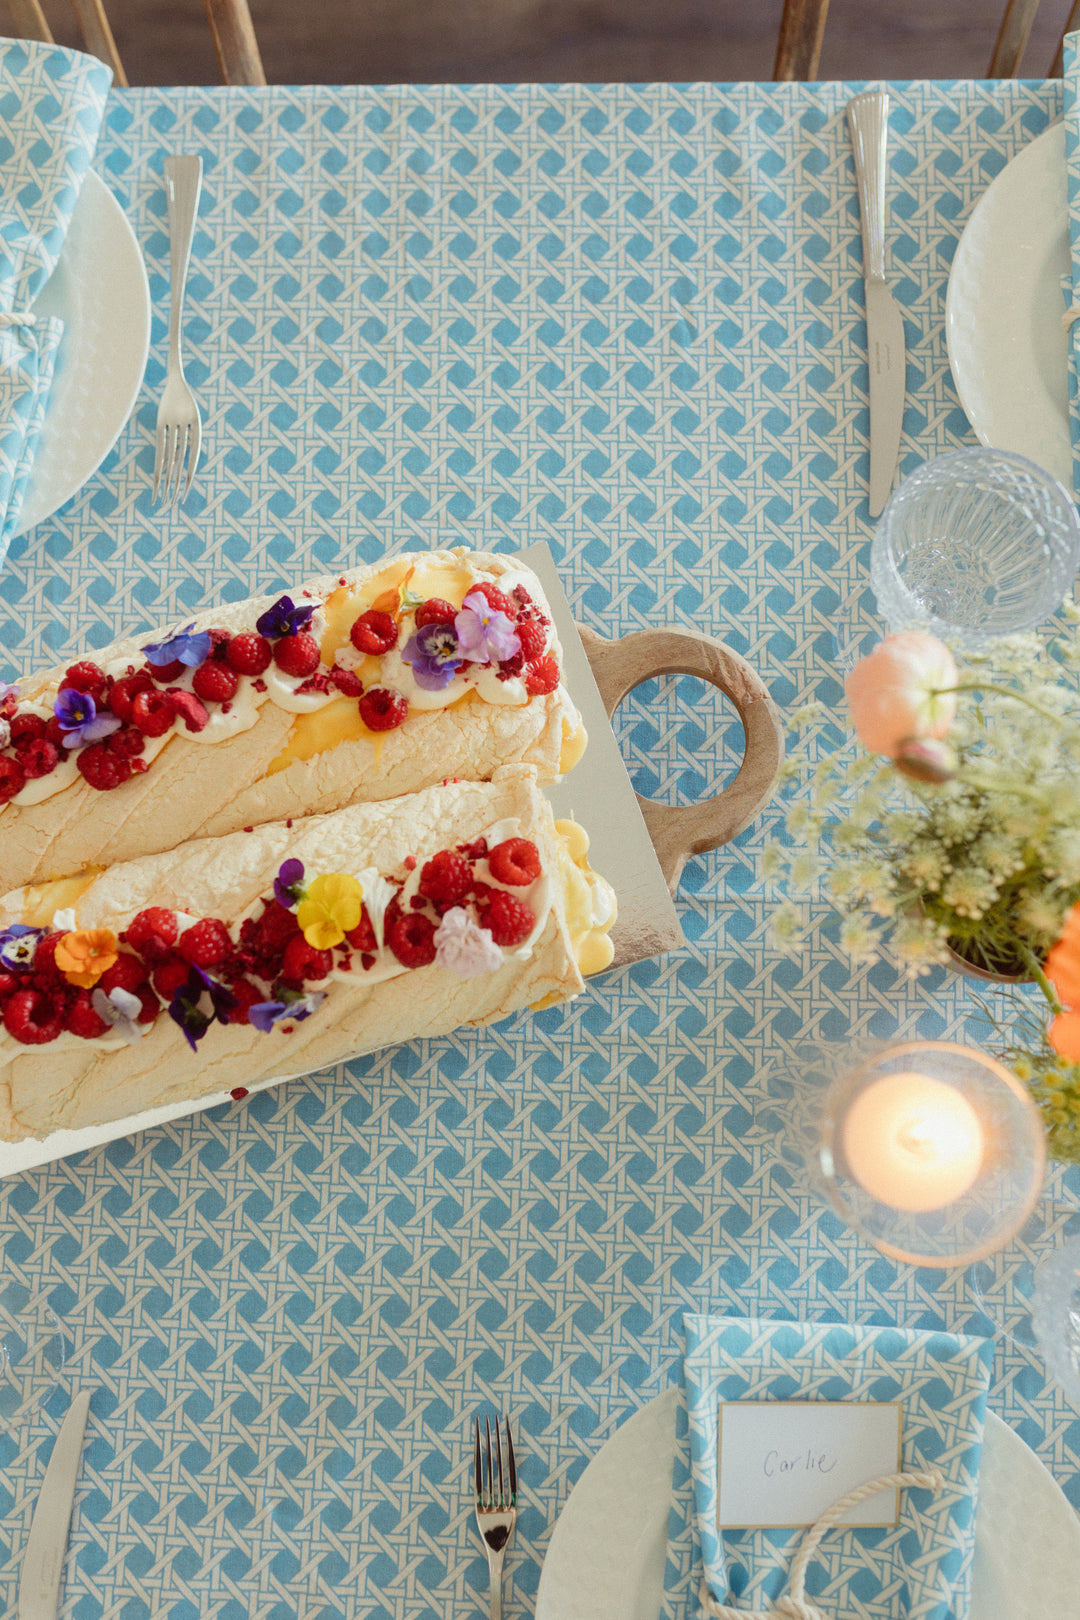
x=10 y=317
x=793 y=1604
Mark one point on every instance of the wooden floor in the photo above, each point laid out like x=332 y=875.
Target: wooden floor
x=428 y=41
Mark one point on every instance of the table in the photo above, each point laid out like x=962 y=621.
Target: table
x=627 y=321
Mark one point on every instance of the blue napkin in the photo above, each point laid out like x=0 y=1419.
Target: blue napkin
x=1072 y=298
x=51 y=106
x=918 y=1570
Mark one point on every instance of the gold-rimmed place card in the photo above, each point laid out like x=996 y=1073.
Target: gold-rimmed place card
x=781 y=1464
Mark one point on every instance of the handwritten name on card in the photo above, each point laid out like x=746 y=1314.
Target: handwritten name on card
x=782 y=1463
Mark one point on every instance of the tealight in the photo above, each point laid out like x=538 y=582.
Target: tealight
x=913 y=1142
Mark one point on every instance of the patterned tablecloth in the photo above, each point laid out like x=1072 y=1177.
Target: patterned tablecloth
x=627 y=321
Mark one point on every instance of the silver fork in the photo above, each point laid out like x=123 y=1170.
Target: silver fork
x=179 y=426
x=496 y=1506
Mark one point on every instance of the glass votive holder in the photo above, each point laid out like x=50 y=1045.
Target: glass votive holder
x=931 y=1151
x=973 y=545
x=1055 y=1315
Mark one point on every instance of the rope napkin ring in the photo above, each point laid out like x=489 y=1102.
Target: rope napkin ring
x=10 y=317
x=793 y=1605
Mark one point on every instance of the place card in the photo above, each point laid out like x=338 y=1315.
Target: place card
x=781 y=1464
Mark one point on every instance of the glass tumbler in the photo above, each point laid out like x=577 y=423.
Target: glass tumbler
x=973 y=545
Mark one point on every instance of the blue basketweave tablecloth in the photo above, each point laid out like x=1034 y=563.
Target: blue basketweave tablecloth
x=626 y=321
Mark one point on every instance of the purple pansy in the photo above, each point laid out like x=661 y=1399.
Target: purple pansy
x=486 y=636
x=184 y=1008
x=188 y=646
x=434 y=655
x=79 y=719
x=18 y=942
x=265 y=1014
x=288 y=885
x=284 y=618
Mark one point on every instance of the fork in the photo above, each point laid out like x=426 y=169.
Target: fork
x=496 y=1508
x=179 y=426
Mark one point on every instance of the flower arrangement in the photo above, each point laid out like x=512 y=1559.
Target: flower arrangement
x=948 y=831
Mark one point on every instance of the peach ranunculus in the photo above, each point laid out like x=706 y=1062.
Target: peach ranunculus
x=1063 y=964
x=85 y=954
x=899 y=691
x=1064 y=1035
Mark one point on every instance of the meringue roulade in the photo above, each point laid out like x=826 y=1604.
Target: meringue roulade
x=228 y=961
x=353 y=688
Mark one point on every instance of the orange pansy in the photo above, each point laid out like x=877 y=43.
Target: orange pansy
x=85 y=954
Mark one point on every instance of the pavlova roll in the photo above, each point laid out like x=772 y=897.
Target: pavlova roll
x=228 y=961
x=362 y=686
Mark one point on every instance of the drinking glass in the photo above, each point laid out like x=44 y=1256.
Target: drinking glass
x=973 y=545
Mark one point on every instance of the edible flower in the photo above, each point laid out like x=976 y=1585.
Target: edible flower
x=188 y=646
x=79 y=719
x=289 y=883
x=184 y=1008
x=329 y=909
x=284 y=618
x=85 y=954
x=463 y=947
x=265 y=1014
x=17 y=946
x=434 y=654
x=120 y=1009
x=485 y=635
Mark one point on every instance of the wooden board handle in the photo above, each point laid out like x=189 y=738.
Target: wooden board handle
x=679 y=831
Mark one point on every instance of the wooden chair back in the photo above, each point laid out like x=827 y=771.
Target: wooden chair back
x=230 y=25
x=802 y=29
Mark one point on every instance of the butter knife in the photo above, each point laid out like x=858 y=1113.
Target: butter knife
x=868 y=121
x=43 y=1560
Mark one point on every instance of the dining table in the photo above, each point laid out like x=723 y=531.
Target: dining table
x=627 y=321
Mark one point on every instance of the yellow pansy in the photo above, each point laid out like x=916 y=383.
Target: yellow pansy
x=329 y=909
x=85 y=954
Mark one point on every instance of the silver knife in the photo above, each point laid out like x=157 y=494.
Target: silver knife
x=43 y=1560
x=868 y=120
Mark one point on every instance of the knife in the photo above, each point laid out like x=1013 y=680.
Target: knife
x=43 y=1560
x=868 y=121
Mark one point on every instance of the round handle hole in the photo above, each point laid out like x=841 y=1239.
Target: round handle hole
x=681 y=738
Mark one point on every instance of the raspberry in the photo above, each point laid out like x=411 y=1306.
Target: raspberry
x=362 y=937
x=44 y=963
x=248 y=654
x=9 y=983
x=39 y=757
x=152 y=932
x=153 y=713
x=151 y=1006
x=495 y=598
x=383 y=709
x=81 y=1019
x=474 y=851
x=541 y=676
x=12 y=778
x=297 y=655
x=435 y=611
x=126 y=690
x=515 y=861
x=533 y=638
x=219 y=644
x=411 y=937
x=164 y=673
x=509 y=920
x=215 y=682
x=205 y=943
x=446 y=878
x=26 y=728
x=247 y=996
x=54 y=731
x=373 y=632
x=102 y=769
x=302 y=961
x=276 y=926
x=33 y=1018
x=129 y=742
x=347 y=681
x=126 y=973
x=192 y=710
x=86 y=677
x=171 y=974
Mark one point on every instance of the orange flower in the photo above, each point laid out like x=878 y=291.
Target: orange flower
x=83 y=956
x=1063 y=962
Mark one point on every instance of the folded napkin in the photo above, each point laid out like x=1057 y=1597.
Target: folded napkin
x=919 y=1569
x=51 y=105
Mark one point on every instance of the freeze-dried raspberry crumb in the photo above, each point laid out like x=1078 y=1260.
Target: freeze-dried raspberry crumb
x=319 y=682
x=508 y=918
x=101 y=768
x=238 y=1093
x=205 y=943
x=509 y=668
x=515 y=861
x=446 y=878
x=191 y=709
x=347 y=681
x=33 y=1018
x=474 y=851
x=362 y=937
x=383 y=709
x=411 y=937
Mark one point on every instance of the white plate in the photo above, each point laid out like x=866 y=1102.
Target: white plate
x=1007 y=346
x=100 y=292
x=606 y=1558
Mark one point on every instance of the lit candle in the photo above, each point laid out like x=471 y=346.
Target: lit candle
x=913 y=1142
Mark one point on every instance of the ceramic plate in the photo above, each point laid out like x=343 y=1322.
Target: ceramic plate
x=1006 y=342
x=99 y=290
x=606 y=1559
